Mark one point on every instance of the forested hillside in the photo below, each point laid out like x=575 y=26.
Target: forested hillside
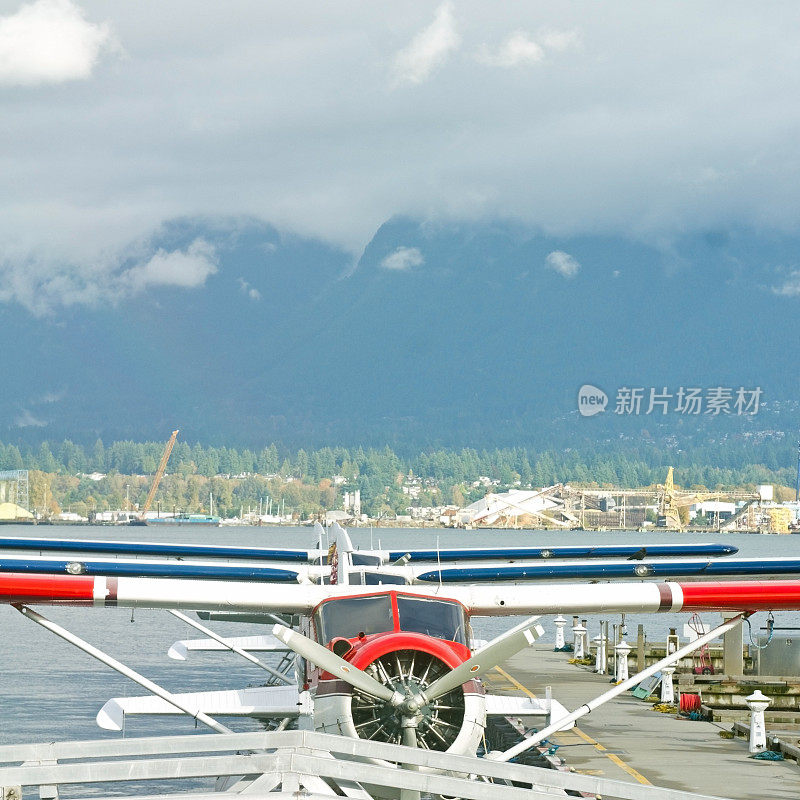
x=309 y=481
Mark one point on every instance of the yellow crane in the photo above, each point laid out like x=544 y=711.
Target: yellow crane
x=162 y=465
x=672 y=500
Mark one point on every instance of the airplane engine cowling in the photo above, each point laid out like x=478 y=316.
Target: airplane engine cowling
x=453 y=722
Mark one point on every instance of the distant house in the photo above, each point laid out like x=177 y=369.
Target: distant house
x=713 y=508
x=337 y=516
x=70 y=516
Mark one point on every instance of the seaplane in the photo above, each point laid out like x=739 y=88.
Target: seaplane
x=385 y=662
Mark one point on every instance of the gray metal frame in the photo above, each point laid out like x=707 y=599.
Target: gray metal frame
x=282 y=763
x=18 y=477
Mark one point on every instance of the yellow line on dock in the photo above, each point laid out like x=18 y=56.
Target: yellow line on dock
x=635 y=774
x=514 y=682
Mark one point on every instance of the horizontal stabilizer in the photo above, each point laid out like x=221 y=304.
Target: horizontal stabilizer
x=263 y=702
x=511 y=706
x=255 y=644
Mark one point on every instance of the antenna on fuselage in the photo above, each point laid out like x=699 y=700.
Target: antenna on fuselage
x=320 y=532
x=343 y=554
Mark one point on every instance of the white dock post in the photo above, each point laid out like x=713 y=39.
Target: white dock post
x=622 y=650
x=579 y=637
x=586 y=646
x=673 y=643
x=560 y=622
x=600 y=654
x=667 y=686
x=604 y=647
x=757 y=703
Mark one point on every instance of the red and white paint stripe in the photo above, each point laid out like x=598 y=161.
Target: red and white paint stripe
x=484 y=600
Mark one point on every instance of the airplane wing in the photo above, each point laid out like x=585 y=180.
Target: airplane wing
x=562 y=551
x=542 y=570
x=263 y=702
x=156 y=569
x=481 y=600
x=157 y=549
x=80 y=548
x=603 y=570
x=141 y=568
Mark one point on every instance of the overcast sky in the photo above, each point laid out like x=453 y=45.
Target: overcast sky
x=328 y=118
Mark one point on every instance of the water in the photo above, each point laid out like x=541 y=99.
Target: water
x=51 y=691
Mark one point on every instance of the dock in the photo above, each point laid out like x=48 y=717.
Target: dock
x=627 y=740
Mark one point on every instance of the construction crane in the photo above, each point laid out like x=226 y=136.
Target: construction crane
x=672 y=500
x=162 y=465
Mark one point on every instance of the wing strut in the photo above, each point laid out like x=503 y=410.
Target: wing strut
x=232 y=647
x=586 y=708
x=106 y=659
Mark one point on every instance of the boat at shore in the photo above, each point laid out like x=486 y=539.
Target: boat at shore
x=207 y=520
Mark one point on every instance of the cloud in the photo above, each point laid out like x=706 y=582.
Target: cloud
x=186 y=269
x=519 y=49
x=402 y=259
x=51 y=397
x=26 y=419
x=43 y=287
x=249 y=290
x=429 y=48
x=49 y=41
x=639 y=132
x=563 y=263
x=790 y=287
x=559 y=41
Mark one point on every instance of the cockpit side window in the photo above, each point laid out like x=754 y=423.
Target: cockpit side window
x=353 y=615
x=444 y=620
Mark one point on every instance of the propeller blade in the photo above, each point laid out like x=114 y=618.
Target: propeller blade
x=489 y=656
x=330 y=662
x=409 y=726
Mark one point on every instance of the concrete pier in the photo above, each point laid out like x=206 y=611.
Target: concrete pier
x=732 y=644
x=627 y=740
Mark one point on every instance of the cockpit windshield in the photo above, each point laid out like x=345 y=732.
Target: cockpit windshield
x=436 y=618
x=353 y=615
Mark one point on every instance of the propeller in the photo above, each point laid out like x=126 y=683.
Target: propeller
x=330 y=662
x=411 y=703
x=488 y=657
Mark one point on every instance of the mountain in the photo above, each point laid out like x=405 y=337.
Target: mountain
x=440 y=334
